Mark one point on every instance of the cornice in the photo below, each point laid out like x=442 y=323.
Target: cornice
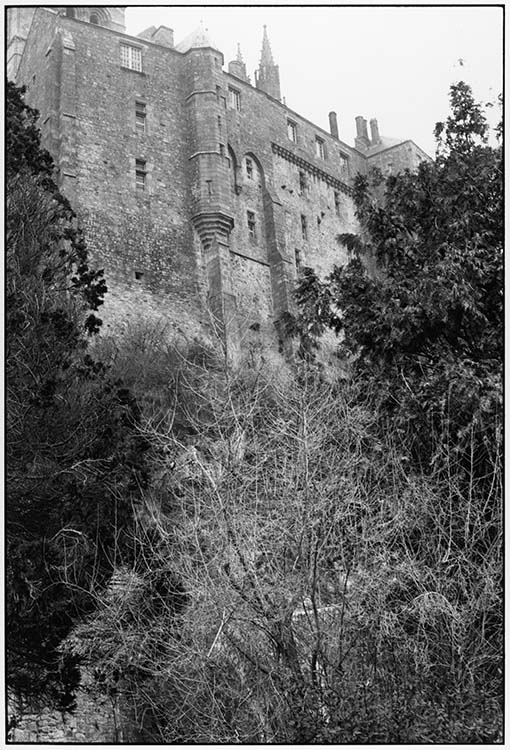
x=334 y=182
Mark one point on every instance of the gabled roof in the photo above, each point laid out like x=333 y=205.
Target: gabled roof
x=386 y=142
x=198 y=38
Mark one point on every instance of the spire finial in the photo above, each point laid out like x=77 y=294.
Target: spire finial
x=266 y=57
x=239 y=55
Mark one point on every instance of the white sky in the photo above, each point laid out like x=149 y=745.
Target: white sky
x=392 y=63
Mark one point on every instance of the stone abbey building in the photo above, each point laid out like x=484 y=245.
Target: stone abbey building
x=200 y=194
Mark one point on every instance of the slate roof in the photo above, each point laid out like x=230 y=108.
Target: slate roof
x=198 y=38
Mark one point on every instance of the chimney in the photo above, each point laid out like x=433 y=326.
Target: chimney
x=361 y=141
x=374 y=132
x=333 y=125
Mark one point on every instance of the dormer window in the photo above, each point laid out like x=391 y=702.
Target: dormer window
x=292 y=131
x=320 y=148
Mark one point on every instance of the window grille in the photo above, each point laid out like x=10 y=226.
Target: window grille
x=140 y=174
x=131 y=57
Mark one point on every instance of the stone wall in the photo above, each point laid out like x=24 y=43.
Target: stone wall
x=95 y=720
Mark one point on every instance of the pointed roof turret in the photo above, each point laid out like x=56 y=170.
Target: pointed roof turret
x=237 y=66
x=198 y=38
x=267 y=78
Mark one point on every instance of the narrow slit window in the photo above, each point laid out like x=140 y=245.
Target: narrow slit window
x=250 y=216
x=304 y=227
x=234 y=98
x=249 y=168
x=302 y=183
x=141 y=174
x=337 y=204
x=320 y=149
x=298 y=259
x=140 y=117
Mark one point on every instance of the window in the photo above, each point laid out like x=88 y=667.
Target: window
x=302 y=183
x=251 y=224
x=292 y=131
x=234 y=98
x=222 y=149
x=94 y=18
x=304 y=227
x=140 y=115
x=337 y=204
x=140 y=174
x=297 y=258
x=131 y=57
x=219 y=124
x=138 y=275
x=70 y=13
x=320 y=149
x=249 y=168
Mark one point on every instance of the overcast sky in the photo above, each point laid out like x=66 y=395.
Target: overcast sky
x=392 y=63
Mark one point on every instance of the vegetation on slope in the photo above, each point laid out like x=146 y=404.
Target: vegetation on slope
x=320 y=562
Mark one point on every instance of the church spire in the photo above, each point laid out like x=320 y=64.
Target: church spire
x=266 y=56
x=267 y=78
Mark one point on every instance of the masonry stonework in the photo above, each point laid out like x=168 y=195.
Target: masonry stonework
x=201 y=195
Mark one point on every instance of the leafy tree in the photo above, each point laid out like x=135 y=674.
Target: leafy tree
x=74 y=462
x=420 y=303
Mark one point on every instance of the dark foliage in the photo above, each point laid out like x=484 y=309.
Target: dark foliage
x=427 y=325
x=74 y=463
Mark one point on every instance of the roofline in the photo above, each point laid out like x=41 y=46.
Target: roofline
x=397 y=145
x=292 y=112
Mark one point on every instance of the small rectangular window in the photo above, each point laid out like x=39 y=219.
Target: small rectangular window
x=140 y=174
x=292 y=131
x=337 y=204
x=138 y=275
x=304 y=227
x=320 y=149
x=234 y=98
x=140 y=115
x=249 y=168
x=131 y=57
x=250 y=216
x=222 y=149
x=302 y=183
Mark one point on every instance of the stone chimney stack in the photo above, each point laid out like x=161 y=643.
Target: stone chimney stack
x=374 y=132
x=361 y=141
x=333 y=125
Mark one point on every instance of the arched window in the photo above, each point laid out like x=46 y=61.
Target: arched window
x=94 y=18
x=70 y=13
